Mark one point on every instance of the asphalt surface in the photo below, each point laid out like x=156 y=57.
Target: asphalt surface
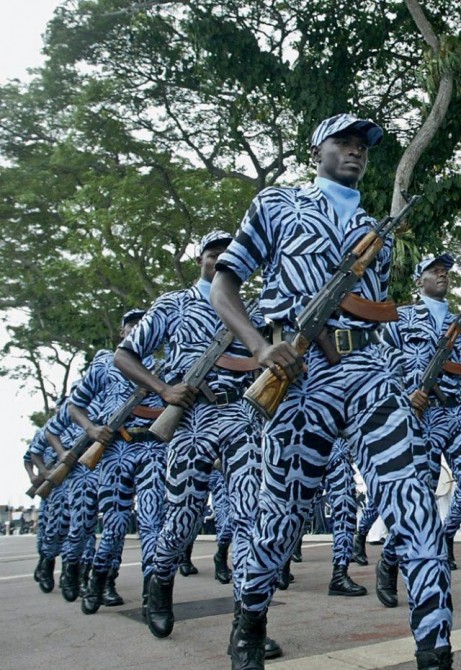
x=316 y=631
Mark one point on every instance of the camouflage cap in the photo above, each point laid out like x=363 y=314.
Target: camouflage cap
x=340 y=122
x=447 y=261
x=213 y=238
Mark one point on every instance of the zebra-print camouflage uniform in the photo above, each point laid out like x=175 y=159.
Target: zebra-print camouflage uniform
x=295 y=235
x=54 y=511
x=186 y=321
x=81 y=491
x=126 y=468
x=417 y=334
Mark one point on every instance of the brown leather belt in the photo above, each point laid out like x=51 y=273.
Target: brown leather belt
x=136 y=434
x=346 y=341
x=147 y=412
x=222 y=398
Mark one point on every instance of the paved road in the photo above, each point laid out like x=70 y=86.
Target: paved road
x=317 y=631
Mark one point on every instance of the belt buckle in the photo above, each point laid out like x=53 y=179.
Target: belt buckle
x=338 y=341
x=222 y=403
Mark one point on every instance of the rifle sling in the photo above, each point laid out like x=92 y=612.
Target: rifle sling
x=147 y=412
x=368 y=310
x=452 y=368
x=237 y=364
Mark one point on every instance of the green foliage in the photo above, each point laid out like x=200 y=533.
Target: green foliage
x=152 y=123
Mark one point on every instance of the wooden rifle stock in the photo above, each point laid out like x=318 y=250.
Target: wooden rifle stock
x=92 y=455
x=57 y=475
x=33 y=489
x=165 y=425
x=266 y=393
x=74 y=456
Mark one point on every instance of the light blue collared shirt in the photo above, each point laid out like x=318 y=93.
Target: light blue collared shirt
x=345 y=200
x=204 y=287
x=438 y=309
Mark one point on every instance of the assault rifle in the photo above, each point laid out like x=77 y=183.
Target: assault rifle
x=440 y=359
x=266 y=393
x=165 y=426
x=81 y=449
x=92 y=455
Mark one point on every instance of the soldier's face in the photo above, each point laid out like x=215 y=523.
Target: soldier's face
x=343 y=158
x=434 y=282
x=207 y=261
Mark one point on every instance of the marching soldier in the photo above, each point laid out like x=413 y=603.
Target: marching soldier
x=416 y=334
x=133 y=462
x=217 y=422
x=299 y=236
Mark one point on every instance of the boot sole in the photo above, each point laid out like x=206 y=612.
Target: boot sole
x=156 y=632
x=113 y=603
x=384 y=602
x=85 y=610
x=268 y=656
x=360 y=561
x=46 y=588
x=347 y=595
x=69 y=597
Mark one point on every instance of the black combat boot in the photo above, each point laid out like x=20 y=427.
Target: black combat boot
x=272 y=649
x=186 y=567
x=160 y=617
x=386 y=583
x=38 y=567
x=359 y=554
x=69 y=582
x=145 y=595
x=342 y=585
x=83 y=578
x=222 y=572
x=46 y=575
x=451 y=552
x=110 y=597
x=92 y=600
x=285 y=577
x=436 y=659
x=297 y=556
x=248 y=641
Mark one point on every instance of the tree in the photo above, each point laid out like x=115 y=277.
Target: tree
x=152 y=122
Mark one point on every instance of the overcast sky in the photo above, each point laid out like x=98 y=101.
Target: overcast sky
x=22 y=23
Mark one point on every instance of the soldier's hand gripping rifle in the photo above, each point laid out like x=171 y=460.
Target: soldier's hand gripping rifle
x=82 y=446
x=92 y=455
x=266 y=393
x=165 y=426
x=31 y=492
x=440 y=360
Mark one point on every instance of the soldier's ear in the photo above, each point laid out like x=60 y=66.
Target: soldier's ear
x=315 y=154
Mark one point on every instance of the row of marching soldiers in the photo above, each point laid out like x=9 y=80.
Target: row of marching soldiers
x=348 y=385
x=134 y=462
